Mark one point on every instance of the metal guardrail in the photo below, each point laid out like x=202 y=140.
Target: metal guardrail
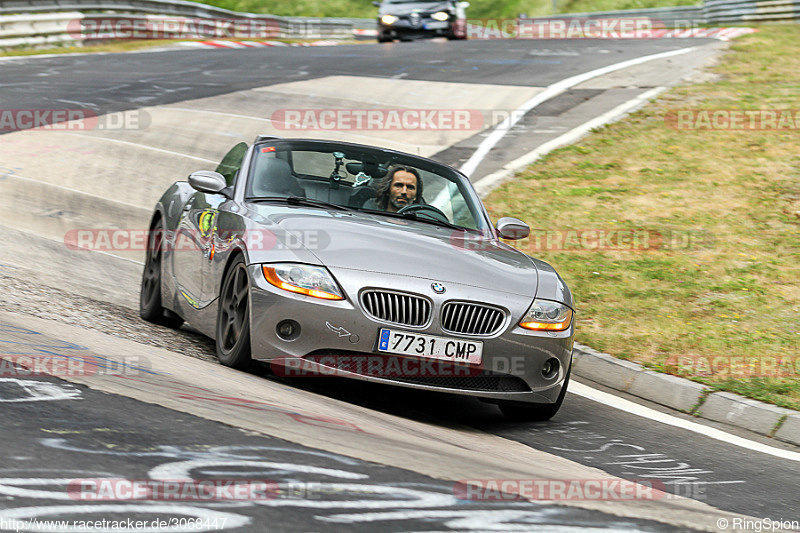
x=711 y=12
x=36 y=22
x=742 y=11
x=670 y=17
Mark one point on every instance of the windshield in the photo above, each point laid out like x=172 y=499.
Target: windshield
x=364 y=179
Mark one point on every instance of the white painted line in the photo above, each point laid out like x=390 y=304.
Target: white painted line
x=485 y=185
x=109 y=254
x=553 y=90
x=146 y=147
x=220 y=113
x=645 y=412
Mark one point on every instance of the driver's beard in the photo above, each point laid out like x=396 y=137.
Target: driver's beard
x=397 y=206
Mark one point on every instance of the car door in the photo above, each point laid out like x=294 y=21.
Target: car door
x=194 y=238
x=219 y=227
x=192 y=247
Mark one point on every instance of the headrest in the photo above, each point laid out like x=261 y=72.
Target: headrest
x=369 y=168
x=275 y=177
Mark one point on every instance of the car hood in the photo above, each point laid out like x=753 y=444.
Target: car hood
x=405 y=9
x=381 y=244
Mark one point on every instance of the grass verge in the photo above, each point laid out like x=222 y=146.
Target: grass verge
x=722 y=304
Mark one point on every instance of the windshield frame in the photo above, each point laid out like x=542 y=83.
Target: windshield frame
x=482 y=219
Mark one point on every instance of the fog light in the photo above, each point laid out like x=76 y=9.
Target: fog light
x=550 y=368
x=288 y=330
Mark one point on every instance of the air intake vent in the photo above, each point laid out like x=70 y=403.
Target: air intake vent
x=471 y=319
x=396 y=307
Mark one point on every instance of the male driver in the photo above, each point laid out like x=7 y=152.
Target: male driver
x=401 y=187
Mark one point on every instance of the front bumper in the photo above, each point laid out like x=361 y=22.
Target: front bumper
x=425 y=27
x=395 y=32
x=512 y=359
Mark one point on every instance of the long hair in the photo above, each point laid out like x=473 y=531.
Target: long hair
x=383 y=186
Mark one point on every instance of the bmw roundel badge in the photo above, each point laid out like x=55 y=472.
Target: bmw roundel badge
x=438 y=288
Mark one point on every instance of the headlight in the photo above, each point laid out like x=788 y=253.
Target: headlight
x=440 y=15
x=303 y=279
x=388 y=19
x=545 y=315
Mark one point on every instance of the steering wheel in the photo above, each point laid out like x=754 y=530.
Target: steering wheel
x=425 y=210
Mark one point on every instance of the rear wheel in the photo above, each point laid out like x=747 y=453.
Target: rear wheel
x=535 y=412
x=150 y=307
x=233 y=318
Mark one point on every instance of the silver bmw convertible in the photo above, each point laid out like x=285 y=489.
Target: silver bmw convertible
x=335 y=259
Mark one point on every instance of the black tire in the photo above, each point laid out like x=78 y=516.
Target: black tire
x=382 y=39
x=150 y=308
x=453 y=36
x=233 y=318
x=535 y=412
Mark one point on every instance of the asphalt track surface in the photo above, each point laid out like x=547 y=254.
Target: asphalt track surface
x=102 y=434
x=140 y=79
x=88 y=440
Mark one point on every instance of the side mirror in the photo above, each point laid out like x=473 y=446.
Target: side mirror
x=207 y=181
x=512 y=228
x=465 y=5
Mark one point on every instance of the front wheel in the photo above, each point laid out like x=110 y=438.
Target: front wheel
x=535 y=412
x=458 y=31
x=150 y=307
x=233 y=318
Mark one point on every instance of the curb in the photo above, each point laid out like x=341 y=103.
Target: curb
x=250 y=44
x=686 y=396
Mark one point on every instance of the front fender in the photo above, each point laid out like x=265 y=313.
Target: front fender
x=551 y=285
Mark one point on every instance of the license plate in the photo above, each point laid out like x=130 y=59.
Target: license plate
x=430 y=346
x=435 y=25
